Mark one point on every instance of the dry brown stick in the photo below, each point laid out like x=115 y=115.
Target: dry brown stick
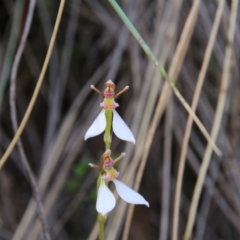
x=8 y=215
x=223 y=203
x=190 y=120
x=53 y=80
x=205 y=106
x=56 y=91
x=174 y=70
x=13 y=112
x=37 y=89
x=165 y=36
x=166 y=174
x=217 y=120
x=57 y=186
x=72 y=206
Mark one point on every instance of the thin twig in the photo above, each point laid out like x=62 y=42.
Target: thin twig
x=175 y=67
x=75 y=202
x=13 y=111
x=166 y=174
x=221 y=201
x=37 y=88
x=190 y=120
x=52 y=74
x=204 y=105
x=7 y=201
x=217 y=120
x=56 y=91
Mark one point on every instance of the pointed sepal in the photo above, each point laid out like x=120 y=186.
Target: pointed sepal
x=120 y=128
x=105 y=199
x=128 y=194
x=97 y=127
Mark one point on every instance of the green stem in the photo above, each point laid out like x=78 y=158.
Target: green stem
x=107 y=140
x=107 y=135
x=101 y=223
x=138 y=37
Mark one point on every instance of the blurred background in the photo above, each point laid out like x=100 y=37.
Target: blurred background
x=93 y=46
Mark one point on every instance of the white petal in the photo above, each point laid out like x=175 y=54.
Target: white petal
x=105 y=199
x=120 y=128
x=128 y=194
x=97 y=127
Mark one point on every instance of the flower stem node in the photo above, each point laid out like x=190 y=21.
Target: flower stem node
x=107 y=164
x=110 y=174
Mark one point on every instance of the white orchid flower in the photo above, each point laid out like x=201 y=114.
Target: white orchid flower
x=106 y=200
x=119 y=127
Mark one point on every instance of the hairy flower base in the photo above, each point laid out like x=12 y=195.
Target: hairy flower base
x=106 y=200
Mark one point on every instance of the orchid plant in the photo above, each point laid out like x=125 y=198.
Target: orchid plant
x=108 y=120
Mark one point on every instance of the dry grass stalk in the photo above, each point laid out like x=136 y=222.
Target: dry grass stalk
x=217 y=119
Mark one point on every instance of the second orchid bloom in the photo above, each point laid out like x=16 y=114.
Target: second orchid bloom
x=105 y=199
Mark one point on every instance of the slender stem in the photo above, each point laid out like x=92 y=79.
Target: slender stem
x=166 y=173
x=107 y=135
x=162 y=71
x=189 y=124
x=101 y=224
x=225 y=81
x=37 y=89
x=13 y=110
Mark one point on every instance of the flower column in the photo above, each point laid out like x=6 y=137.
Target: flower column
x=107 y=120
